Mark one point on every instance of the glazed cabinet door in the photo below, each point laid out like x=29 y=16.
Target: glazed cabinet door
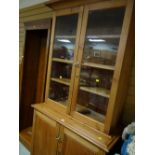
x=63 y=51
x=98 y=49
x=72 y=144
x=44 y=135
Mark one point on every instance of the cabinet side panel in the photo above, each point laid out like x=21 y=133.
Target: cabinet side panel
x=123 y=70
x=126 y=73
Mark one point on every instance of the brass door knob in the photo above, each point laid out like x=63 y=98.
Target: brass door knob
x=59 y=139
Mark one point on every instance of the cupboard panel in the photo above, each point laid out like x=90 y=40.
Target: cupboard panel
x=44 y=135
x=75 y=145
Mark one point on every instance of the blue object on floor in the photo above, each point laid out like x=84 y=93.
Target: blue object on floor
x=125 y=145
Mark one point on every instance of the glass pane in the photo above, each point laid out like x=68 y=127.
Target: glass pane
x=92 y=105
x=99 y=55
x=60 y=94
x=62 y=58
x=97 y=78
x=94 y=92
x=65 y=32
x=103 y=35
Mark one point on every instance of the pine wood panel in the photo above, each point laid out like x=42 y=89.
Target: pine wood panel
x=31 y=8
x=29 y=14
x=99 y=139
x=100 y=66
x=49 y=59
x=43 y=9
x=42 y=68
x=72 y=144
x=44 y=135
x=37 y=17
x=20 y=77
x=129 y=108
x=89 y=121
x=62 y=81
x=70 y=3
x=62 y=60
x=21 y=43
x=123 y=70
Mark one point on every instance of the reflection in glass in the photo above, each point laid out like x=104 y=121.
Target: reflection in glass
x=92 y=105
x=103 y=35
x=60 y=81
x=61 y=70
x=64 y=41
x=94 y=92
x=60 y=93
x=97 y=78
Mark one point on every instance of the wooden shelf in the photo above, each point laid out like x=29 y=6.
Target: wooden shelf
x=65 y=37
x=98 y=91
x=100 y=66
x=62 y=60
x=65 y=102
x=64 y=81
x=109 y=36
x=25 y=137
x=95 y=115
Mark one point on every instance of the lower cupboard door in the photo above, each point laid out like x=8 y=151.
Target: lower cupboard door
x=44 y=135
x=74 y=145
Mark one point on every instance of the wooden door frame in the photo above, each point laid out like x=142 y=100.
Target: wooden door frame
x=34 y=25
x=44 y=24
x=40 y=25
